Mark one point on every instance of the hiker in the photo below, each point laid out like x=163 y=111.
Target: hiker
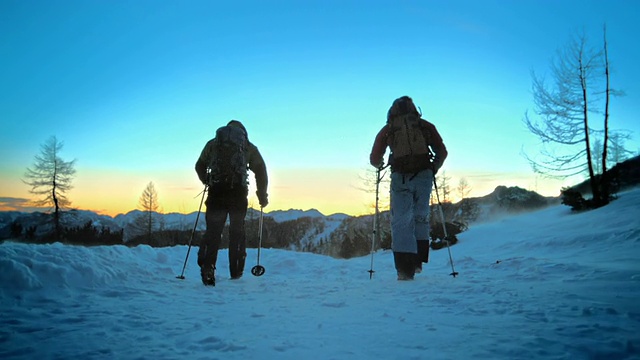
x=417 y=153
x=222 y=166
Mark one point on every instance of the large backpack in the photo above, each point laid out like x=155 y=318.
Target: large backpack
x=228 y=168
x=409 y=143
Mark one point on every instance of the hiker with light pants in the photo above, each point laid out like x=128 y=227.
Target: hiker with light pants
x=417 y=152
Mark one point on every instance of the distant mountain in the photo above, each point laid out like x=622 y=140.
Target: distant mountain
x=7 y=217
x=338 y=235
x=169 y=221
x=502 y=201
x=293 y=214
x=174 y=221
x=41 y=223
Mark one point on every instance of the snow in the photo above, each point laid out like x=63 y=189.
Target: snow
x=313 y=237
x=545 y=285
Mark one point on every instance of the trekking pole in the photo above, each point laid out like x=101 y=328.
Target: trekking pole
x=454 y=273
x=259 y=270
x=181 y=276
x=379 y=177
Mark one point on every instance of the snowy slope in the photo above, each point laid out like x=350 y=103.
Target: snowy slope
x=314 y=238
x=293 y=214
x=545 y=285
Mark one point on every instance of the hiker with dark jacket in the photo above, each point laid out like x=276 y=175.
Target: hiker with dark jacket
x=417 y=153
x=222 y=166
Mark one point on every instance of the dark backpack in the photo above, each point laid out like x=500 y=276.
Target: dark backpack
x=228 y=168
x=409 y=143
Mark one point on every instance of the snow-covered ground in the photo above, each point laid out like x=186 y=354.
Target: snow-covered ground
x=545 y=285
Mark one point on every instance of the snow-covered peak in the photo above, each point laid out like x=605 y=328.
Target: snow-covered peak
x=293 y=214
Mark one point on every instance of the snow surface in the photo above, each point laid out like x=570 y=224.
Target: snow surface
x=545 y=285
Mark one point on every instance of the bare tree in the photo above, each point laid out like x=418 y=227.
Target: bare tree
x=369 y=180
x=466 y=210
x=564 y=108
x=598 y=151
x=50 y=178
x=149 y=205
x=382 y=198
x=444 y=190
x=605 y=187
x=463 y=188
x=617 y=150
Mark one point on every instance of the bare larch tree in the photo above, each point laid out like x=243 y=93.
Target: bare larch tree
x=563 y=110
x=149 y=205
x=50 y=179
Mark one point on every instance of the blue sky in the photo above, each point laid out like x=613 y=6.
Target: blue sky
x=135 y=89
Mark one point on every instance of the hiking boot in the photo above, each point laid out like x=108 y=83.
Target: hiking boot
x=404 y=276
x=208 y=275
x=423 y=255
x=405 y=265
x=423 y=251
x=237 y=270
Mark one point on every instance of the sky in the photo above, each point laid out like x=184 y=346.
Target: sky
x=551 y=284
x=135 y=89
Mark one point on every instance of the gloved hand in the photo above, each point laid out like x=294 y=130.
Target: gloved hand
x=262 y=198
x=377 y=163
x=378 y=166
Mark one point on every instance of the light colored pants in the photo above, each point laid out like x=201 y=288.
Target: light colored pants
x=410 y=209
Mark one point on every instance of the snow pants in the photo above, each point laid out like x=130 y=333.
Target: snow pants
x=219 y=206
x=410 y=209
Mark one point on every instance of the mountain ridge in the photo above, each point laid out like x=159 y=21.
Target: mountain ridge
x=502 y=196
x=338 y=235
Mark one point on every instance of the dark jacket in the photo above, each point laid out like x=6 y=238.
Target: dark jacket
x=254 y=159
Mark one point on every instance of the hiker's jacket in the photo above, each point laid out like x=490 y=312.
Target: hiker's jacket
x=254 y=160
x=438 y=150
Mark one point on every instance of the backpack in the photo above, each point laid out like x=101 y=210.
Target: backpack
x=228 y=168
x=409 y=143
